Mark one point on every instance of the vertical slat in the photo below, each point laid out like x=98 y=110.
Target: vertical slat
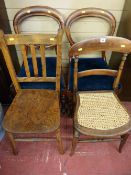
x=24 y=54
x=8 y=61
x=43 y=60
x=75 y=74
x=104 y=55
x=58 y=67
x=34 y=61
x=117 y=80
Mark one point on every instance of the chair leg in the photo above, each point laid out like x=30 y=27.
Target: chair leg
x=74 y=141
x=123 y=141
x=12 y=142
x=59 y=141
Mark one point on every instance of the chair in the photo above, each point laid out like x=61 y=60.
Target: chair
x=91 y=82
x=100 y=114
x=45 y=11
x=33 y=111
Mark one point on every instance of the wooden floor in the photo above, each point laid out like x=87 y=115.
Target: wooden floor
x=42 y=158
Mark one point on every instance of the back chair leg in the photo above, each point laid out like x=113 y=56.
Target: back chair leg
x=74 y=141
x=59 y=141
x=12 y=142
x=123 y=141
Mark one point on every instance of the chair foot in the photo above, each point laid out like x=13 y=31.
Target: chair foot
x=59 y=141
x=123 y=141
x=12 y=142
x=74 y=142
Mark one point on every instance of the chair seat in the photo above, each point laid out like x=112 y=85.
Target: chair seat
x=33 y=111
x=50 y=70
x=102 y=111
x=93 y=82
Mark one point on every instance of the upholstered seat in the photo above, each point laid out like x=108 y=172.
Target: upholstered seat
x=93 y=82
x=51 y=72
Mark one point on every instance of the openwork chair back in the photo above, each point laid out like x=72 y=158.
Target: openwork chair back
x=22 y=41
x=89 y=12
x=33 y=11
x=107 y=43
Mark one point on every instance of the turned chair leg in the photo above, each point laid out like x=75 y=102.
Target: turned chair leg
x=123 y=141
x=74 y=142
x=12 y=142
x=59 y=141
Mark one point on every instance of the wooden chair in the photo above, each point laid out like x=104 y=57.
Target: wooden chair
x=91 y=82
x=33 y=111
x=44 y=11
x=100 y=114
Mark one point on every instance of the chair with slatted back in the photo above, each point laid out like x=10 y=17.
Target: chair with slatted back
x=100 y=114
x=43 y=11
x=91 y=82
x=33 y=111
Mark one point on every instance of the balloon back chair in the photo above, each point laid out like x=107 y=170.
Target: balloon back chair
x=44 y=11
x=99 y=114
x=33 y=111
x=89 y=83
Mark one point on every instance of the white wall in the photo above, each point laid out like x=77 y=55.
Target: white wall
x=83 y=28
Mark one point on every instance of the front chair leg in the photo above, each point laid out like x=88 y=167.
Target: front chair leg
x=59 y=141
x=74 y=141
x=123 y=141
x=12 y=142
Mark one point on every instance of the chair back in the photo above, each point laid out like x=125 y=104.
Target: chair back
x=89 y=12
x=107 y=43
x=33 y=11
x=30 y=40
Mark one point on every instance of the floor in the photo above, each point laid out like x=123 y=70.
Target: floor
x=37 y=158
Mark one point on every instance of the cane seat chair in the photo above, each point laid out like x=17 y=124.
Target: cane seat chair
x=100 y=114
x=19 y=19
x=33 y=111
x=89 y=83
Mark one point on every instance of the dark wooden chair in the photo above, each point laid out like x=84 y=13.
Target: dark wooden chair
x=100 y=114
x=44 y=11
x=33 y=111
x=89 y=83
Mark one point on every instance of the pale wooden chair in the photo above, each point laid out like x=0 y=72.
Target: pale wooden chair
x=33 y=111
x=100 y=114
x=89 y=83
x=43 y=11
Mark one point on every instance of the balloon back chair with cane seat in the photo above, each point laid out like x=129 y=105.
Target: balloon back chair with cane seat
x=99 y=114
x=33 y=111
x=43 y=11
x=89 y=83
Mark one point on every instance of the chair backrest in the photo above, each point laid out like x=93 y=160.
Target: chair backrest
x=89 y=12
x=32 y=11
x=30 y=40
x=107 y=43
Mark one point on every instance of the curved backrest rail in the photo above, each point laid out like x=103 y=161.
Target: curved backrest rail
x=106 y=43
x=89 y=12
x=37 y=11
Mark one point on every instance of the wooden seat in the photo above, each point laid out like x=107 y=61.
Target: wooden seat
x=100 y=114
x=37 y=113
x=33 y=110
x=95 y=82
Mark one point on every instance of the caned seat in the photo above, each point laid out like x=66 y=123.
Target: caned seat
x=100 y=114
x=33 y=110
x=37 y=113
